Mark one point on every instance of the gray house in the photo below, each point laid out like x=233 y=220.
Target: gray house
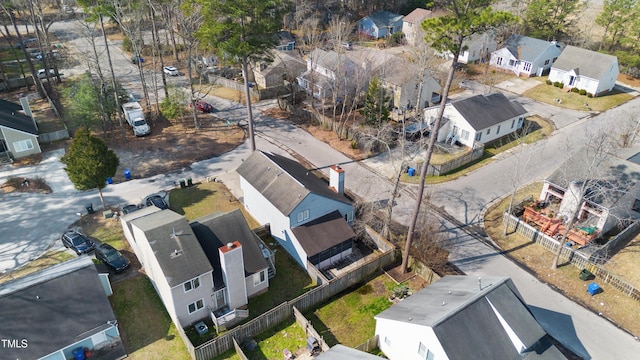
x=464 y=317
x=204 y=269
x=308 y=217
x=18 y=132
x=53 y=312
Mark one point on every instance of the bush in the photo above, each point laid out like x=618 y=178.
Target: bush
x=549 y=82
x=582 y=92
x=589 y=95
x=575 y=90
x=354 y=144
x=127 y=45
x=557 y=84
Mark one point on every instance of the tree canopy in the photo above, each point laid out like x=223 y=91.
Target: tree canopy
x=376 y=104
x=89 y=162
x=549 y=19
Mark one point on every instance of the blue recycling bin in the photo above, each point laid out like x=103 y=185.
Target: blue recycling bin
x=593 y=289
x=411 y=171
x=109 y=181
x=78 y=354
x=127 y=174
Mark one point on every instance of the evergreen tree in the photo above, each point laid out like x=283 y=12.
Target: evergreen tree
x=89 y=162
x=376 y=104
x=549 y=19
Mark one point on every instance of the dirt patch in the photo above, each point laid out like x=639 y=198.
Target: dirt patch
x=26 y=185
x=629 y=80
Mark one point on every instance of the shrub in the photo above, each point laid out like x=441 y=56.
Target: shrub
x=589 y=95
x=575 y=90
x=582 y=92
x=127 y=45
x=354 y=144
x=561 y=85
x=549 y=82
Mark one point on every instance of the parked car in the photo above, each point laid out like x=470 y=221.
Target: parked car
x=76 y=241
x=42 y=73
x=55 y=54
x=203 y=106
x=137 y=59
x=26 y=42
x=111 y=257
x=128 y=209
x=347 y=45
x=157 y=201
x=170 y=70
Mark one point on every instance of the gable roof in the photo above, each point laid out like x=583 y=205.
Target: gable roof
x=174 y=246
x=11 y=116
x=401 y=71
x=467 y=315
x=284 y=182
x=283 y=62
x=284 y=37
x=53 y=308
x=483 y=111
x=332 y=60
x=585 y=62
x=341 y=352
x=323 y=233
x=383 y=19
x=216 y=230
x=526 y=48
x=417 y=15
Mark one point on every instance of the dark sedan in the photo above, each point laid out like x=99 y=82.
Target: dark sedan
x=157 y=201
x=111 y=257
x=77 y=242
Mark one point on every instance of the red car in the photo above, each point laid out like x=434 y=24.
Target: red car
x=203 y=106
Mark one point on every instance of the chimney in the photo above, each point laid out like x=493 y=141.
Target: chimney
x=336 y=179
x=233 y=273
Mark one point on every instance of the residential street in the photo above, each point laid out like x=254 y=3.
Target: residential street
x=33 y=222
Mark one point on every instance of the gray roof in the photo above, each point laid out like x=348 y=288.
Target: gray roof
x=53 y=308
x=174 y=245
x=216 y=230
x=323 y=233
x=584 y=62
x=383 y=19
x=332 y=60
x=284 y=182
x=417 y=15
x=463 y=313
x=526 y=48
x=483 y=111
x=610 y=174
x=341 y=352
x=11 y=116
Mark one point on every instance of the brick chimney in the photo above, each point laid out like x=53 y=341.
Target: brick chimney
x=336 y=179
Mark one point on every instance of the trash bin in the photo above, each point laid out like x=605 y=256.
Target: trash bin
x=182 y=184
x=109 y=181
x=593 y=289
x=189 y=182
x=411 y=171
x=585 y=274
x=127 y=174
x=78 y=354
x=89 y=208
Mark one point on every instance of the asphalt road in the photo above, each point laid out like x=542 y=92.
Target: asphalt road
x=32 y=223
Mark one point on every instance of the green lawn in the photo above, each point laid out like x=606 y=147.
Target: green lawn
x=145 y=326
x=570 y=100
x=271 y=343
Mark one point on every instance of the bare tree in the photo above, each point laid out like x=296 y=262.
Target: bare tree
x=189 y=20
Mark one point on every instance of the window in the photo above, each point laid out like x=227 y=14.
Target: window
x=258 y=278
x=193 y=307
x=303 y=215
x=23 y=145
x=527 y=66
x=348 y=217
x=191 y=284
x=498 y=130
x=488 y=131
x=636 y=206
x=512 y=62
x=546 y=62
x=387 y=341
x=424 y=352
x=554 y=59
x=513 y=123
x=478 y=136
x=464 y=135
x=499 y=61
x=520 y=120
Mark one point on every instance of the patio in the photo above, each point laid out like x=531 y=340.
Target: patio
x=544 y=215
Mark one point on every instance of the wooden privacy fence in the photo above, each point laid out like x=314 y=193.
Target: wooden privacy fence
x=308 y=328
x=284 y=311
x=444 y=168
x=567 y=254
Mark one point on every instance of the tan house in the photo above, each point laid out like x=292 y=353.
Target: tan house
x=411 y=26
x=284 y=67
x=406 y=87
x=18 y=132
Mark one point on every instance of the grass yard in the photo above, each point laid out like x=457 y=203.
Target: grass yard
x=272 y=342
x=570 y=100
x=145 y=326
x=619 y=308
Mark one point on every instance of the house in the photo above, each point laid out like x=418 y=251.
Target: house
x=380 y=24
x=18 y=132
x=404 y=84
x=328 y=73
x=51 y=313
x=206 y=268
x=478 y=47
x=526 y=56
x=341 y=352
x=412 y=26
x=273 y=74
x=477 y=119
x=594 y=72
x=308 y=217
x=285 y=41
x=463 y=317
x=610 y=197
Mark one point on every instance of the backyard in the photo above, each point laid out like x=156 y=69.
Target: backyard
x=611 y=303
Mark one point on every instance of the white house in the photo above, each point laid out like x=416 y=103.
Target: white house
x=594 y=72
x=328 y=72
x=308 y=217
x=463 y=317
x=52 y=313
x=477 y=119
x=204 y=269
x=478 y=47
x=526 y=56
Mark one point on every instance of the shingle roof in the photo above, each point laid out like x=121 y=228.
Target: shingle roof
x=11 y=116
x=526 y=48
x=483 y=111
x=383 y=19
x=466 y=313
x=417 y=15
x=53 y=308
x=323 y=233
x=216 y=230
x=341 y=352
x=585 y=62
x=174 y=245
x=332 y=60
x=284 y=182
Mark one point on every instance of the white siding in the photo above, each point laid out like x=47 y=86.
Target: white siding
x=405 y=338
x=182 y=300
x=256 y=289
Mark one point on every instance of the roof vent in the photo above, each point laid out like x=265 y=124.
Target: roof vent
x=230 y=245
x=176 y=253
x=444 y=303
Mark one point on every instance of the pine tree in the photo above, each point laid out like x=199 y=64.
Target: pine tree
x=376 y=104
x=89 y=162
